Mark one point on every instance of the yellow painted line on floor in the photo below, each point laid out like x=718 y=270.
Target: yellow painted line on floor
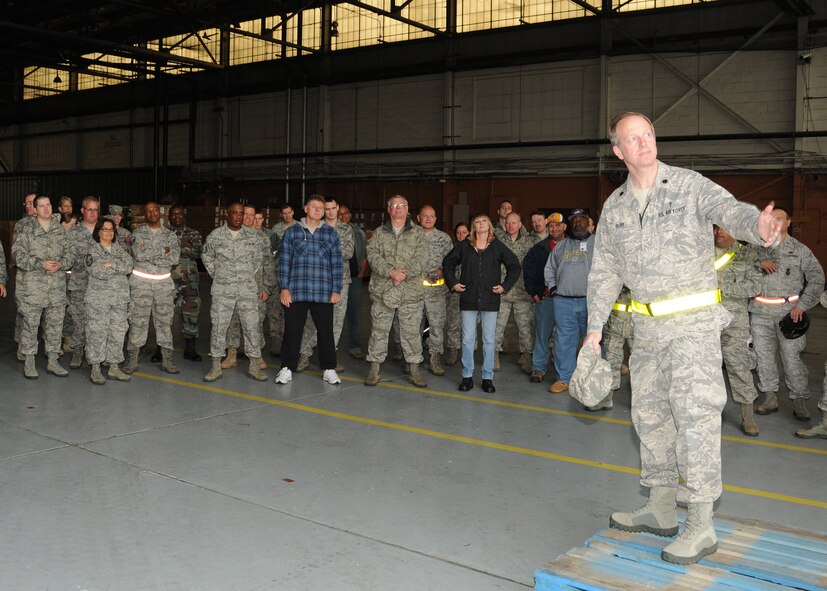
x=461 y=439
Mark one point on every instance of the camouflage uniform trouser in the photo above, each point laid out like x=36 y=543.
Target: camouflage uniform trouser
x=617 y=333
x=310 y=337
x=161 y=305
x=77 y=308
x=739 y=359
x=678 y=394
x=221 y=312
x=765 y=338
x=453 y=324
x=275 y=317
x=187 y=298
x=410 y=316
x=822 y=405
x=234 y=330
x=435 y=312
x=52 y=328
x=105 y=331
x=523 y=318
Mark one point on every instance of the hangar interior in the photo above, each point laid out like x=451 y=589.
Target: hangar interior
x=167 y=483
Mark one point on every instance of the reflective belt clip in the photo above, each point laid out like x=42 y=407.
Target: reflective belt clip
x=622 y=307
x=779 y=301
x=150 y=276
x=724 y=259
x=436 y=283
x=680 y=304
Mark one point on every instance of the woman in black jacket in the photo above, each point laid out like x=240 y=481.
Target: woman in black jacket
x=480 y=287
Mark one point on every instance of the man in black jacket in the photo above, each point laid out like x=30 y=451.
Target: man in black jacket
x=533 y=265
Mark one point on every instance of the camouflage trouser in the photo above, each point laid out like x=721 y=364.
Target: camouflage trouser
x=410 y=315
x=310 y=336
x=160 y=304
x=221 y=311
x=105 y=331
x=523 y=318
x=187 y=298
x=617 y=333
x=766 y=338
x=739 y=359
x=68 y=323
x=435 y=312
x=77 y=308
x=453 y=324
x=678 y=394
x=52 y=328
x=822 y=405
x=275 y=317
x=234 y=330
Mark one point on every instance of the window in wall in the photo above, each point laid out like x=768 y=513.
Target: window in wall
x=357 y=27
x=39 y=81
x=109 y=75
x=476 y=15
x=245 y=49
x=629 y=5
x=204 y=47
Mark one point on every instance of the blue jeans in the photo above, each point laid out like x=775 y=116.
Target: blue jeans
x=543 y=327
x=570 y=316
x=469 y=342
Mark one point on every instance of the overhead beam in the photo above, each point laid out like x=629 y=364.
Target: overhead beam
x=396 y=17
x=273 y=40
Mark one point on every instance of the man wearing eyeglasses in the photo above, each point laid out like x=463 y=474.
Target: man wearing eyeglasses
x=398 y=256
x=82 y=241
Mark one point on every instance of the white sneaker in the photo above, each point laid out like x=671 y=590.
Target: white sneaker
x=285 y=375
x=331 y=377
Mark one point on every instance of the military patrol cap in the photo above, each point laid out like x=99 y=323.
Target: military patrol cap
x=591 y=381
x=578 y=212
x=792 y=330
x=555 y=217
x=115 y=210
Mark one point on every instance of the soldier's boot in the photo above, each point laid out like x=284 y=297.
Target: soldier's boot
x=66 y=345
x=96 y=376
x=340 y=368
x=416 y=377
x=373 y=375
x=658 y=516
x=254 y=370
x=748 y=425
x=275 y=345
x=215 y=372
x=769 y=406
x=29 y=369
x=800 y=409
x=261 y=363
x=521 y=360
x=436 y=368
x=157 y=357
x=190 y=354
x=231 y=359
x=166 y=361
x=55 y=368
x=20 y=355
x=696 y=540
x=303 y=364
x=116 y=373
x=131 y=361
x=496 y=361
x=451 y=357
x=818 y=430
x=77 y=358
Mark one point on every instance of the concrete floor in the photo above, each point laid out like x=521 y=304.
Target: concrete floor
x=171 y=483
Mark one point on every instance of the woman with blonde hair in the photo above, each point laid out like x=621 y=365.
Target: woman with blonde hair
x=480 y=287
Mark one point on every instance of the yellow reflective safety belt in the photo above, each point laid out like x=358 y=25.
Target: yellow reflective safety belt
x=622 y=307
x=681 y=304
x=427 y=283
x=724 y=259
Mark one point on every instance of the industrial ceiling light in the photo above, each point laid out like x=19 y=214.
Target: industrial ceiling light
x=57 y=79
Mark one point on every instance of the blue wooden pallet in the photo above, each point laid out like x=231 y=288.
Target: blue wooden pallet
x=751 y=556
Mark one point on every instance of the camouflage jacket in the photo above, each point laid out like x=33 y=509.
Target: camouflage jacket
x=439 y=245
x=190 y=242
x=108 y=283
x=32 y=247
x=348 y=241
x=520 y=248
x=739 y=278
x=799 y=273
x=408 y=251
x=233 y=263
x=148 y=248
x=266 y=274
x=82 y=241
x=4 y=276
x=665 y=252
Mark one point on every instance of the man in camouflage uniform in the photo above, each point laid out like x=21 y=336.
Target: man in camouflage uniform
x=500 y=230
x=793 y=282
x=398 y=255
x=617 y=333
x=266 y=283
x=82 y=241
x=22 y=224
x=518 y=241
x=275 y=313
x=739 y=279
x=155 y=250
x=42 y=251
x=453 y=324
x=123 y=235
x=232 y=256
x=819 y=429
x=185 y=276
x=655 y=236
x=347 y=242
x=439 y=245
x=65 y=209
x=358 y=268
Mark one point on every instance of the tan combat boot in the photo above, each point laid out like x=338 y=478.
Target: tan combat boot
x=96 y=376
x=215 y=371
x=416 y=377
x=451 y=357
x=254 y=371
x=166 y=361
x=748 y=425
x=77 y=358
x=230 y=360
x=436 y=368
x=769 y=406
x=658 y=516
x=817 y=430
x=116 y=373
x=55 y=368
x=696 y=540
x=373 y=375
x=131 y=365
x=29 y=370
